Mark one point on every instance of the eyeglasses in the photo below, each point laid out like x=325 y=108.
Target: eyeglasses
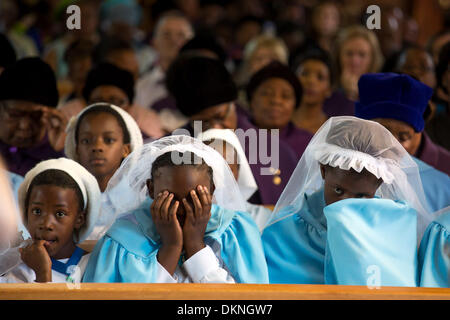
x=15 y=114
x=217 y=118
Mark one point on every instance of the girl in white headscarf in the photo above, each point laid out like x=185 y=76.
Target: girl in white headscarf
x=227 y=144
x=181 y=220
x=59 y=201
x=99 y=138
x=353 y=208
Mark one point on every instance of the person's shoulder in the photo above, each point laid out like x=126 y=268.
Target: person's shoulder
x=299 y=132
x=127 y=232
x=226 y=220
x=427 y=171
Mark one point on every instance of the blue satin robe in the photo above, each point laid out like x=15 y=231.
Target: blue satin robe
x=337 y=244
x=128 y=251
x=434 y=253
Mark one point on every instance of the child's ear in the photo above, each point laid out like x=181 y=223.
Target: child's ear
x=80 y=220
x=126 y=150
x=151 y=188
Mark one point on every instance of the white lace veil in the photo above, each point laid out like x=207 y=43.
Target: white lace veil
x=246 y=181
x=127 y=189
x=9 y=215
x=352 y=143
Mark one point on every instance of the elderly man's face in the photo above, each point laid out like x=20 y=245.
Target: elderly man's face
x=21 y=123
x=171 y=35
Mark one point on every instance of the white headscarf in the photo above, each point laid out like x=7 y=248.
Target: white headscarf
x=353 y=143
x=246 y=181
x=85 y=181
x=70 y=146
x=127 y=189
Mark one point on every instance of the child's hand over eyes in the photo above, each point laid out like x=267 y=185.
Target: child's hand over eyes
x=164 y=215
x=36 y=257
x=196 y=220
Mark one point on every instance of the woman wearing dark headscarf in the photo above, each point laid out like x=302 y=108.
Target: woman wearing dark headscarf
x=32 y=129
x=204 y=91
x=274 y=92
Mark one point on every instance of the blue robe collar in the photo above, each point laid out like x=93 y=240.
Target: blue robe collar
x=314 y=204
x=73 y=261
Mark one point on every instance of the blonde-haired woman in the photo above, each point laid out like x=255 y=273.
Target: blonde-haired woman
x=258 y=53
x=357 y=52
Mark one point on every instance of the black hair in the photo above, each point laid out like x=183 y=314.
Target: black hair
x=7 y=54
x=205 y=40
x=58 y=178
x=188 y=159
x=107 y=47
x=248 y=18
x=315 y=54
x=104 y=107
x=79 y=49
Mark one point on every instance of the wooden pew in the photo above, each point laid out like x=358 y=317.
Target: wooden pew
x=132 y=291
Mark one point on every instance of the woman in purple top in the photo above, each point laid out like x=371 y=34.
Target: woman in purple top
x=274 y=92
x=205 y=93
x=32 y=129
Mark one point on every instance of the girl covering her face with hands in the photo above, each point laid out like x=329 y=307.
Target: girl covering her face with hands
x=192 y=228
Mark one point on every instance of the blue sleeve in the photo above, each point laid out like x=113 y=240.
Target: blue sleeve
x=371 y=242
x=294 y=250
x=111 y=261
x=434 y=254
x=242 y=251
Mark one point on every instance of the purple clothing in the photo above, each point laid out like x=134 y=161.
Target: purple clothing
x=270 y=186
x=433 y=154
x=338 y=105
x=296 y=138
x=21 y=160
x=167 y=102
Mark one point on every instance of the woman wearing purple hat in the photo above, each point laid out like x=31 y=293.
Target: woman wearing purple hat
x=398 y=102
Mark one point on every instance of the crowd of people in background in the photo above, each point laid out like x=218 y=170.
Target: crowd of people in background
x=136 y=72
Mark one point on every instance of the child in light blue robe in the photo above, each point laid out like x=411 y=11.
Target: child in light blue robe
x=133 y=248
x=434 y=253
x=347 y=196
x=128 y=251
